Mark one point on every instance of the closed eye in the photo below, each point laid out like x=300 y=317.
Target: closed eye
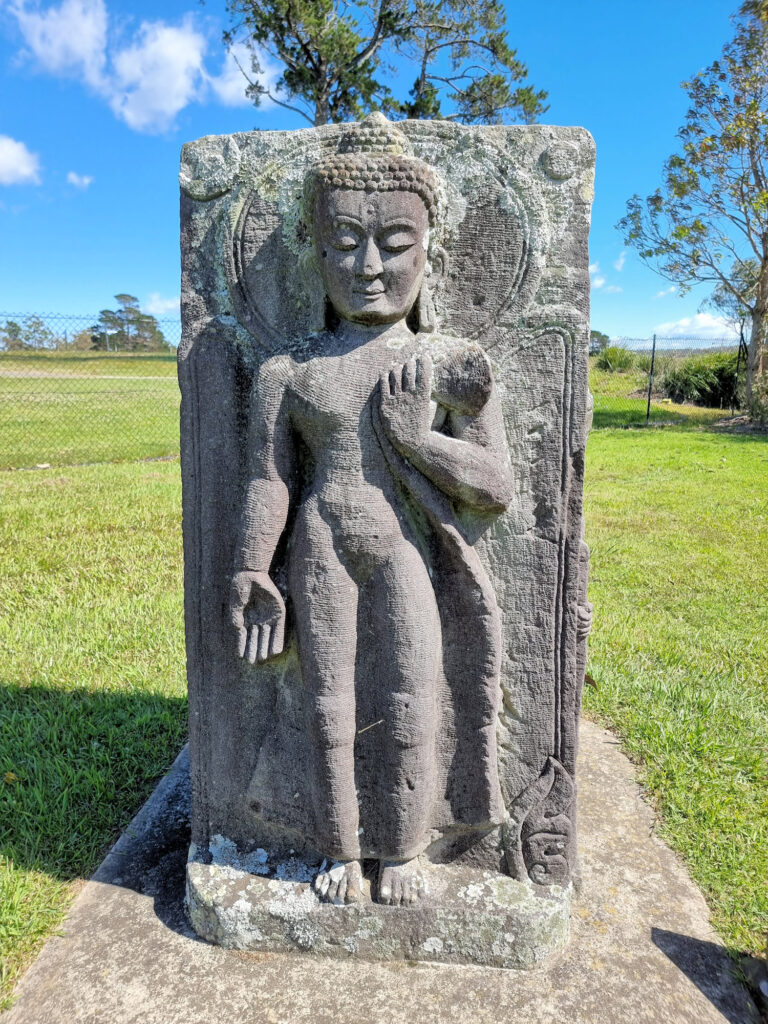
x=397 y=241
x=345 y=242
x=346 y=235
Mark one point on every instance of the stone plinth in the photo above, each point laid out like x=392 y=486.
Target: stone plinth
x=468 y=916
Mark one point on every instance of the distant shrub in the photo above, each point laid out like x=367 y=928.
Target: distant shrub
x=615 y=358
x=708 y=379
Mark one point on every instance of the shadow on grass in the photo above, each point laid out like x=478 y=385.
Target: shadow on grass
x=150 y=858
x=75 y=766
x=710 y=969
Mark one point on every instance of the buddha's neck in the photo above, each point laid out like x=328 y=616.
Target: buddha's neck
x=351 y=335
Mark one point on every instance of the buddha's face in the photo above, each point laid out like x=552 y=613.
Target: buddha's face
x=371 y=248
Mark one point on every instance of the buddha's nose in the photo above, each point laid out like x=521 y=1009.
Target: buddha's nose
x=371 y=261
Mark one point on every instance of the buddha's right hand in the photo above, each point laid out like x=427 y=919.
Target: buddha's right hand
x=257 y=613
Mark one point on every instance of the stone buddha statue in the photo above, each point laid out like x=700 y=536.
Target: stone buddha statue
x=373 y=453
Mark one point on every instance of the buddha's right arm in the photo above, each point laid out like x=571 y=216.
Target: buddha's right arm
x=271 y=469
x=263 y=518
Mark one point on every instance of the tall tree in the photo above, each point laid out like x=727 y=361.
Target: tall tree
x=37 y=334
x=461 y=51
x=127 y=328
x=11 y=336
x=735 y=303
x=708 y=221
x=334 y=56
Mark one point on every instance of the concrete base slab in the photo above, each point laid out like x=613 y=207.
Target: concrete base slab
x=467 y=916
x=641 y=950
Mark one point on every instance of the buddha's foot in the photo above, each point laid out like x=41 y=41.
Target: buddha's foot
x=400 y=882
x=341 y=883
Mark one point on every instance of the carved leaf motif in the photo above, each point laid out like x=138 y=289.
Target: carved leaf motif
x=539 y=831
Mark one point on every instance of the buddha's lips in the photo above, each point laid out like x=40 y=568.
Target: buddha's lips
x=370 y=294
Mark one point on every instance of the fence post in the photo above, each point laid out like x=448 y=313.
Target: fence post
x=650 y=382
x=738 y=367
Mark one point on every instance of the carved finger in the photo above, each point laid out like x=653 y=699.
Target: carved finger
x=252 y=647
x=264 y=634
x=325 y=884
x=237 y=618
x=277 y=639
x=409 y=375
x=242 y=640
x=384 y=392
x=236 y=610
x=394 y=383
x=424 y=375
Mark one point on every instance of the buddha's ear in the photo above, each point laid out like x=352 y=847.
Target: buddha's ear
x=438 y=265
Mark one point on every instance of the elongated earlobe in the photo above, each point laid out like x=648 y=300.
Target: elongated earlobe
x=427 y=320
x=433 y=278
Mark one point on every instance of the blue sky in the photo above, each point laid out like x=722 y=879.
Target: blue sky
x=97 y=97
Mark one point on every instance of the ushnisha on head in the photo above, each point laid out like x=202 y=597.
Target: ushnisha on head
x=373 y=211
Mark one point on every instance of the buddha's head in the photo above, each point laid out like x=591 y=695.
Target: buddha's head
x=372 y=210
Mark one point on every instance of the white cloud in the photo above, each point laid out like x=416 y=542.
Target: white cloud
x=701 y=325
x=70 y=39
x=148 y=79
x=79 y=180
x=158 y=76
x=672 y=290
x=156 y=305
x=598 y=280
x=18 y=166
x=619 y=263
x=230 y=84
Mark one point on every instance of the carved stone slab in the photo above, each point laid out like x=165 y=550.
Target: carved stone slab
x=515 y=206
x=467 y=916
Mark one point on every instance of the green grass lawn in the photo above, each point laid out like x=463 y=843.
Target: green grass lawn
x=621 y=400
x=64 y=409
x=92 y=664
x=678 y=526
x=92 y=694
x=153 y=364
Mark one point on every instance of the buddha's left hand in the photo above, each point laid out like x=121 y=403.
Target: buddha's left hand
x=405 y=403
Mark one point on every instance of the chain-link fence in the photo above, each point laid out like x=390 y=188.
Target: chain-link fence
x=695 y=381
x=87 y=389
x=97 y=389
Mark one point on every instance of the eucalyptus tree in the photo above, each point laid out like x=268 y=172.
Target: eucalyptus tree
x=708 y=220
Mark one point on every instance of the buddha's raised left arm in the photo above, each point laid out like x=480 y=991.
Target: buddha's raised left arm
x=469 y=462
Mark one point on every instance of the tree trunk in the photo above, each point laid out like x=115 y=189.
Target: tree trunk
x=322 y=100
x=755 y=352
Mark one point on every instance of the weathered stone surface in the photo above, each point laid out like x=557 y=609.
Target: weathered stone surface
x=642 y=947
x=384 y=414
x=467 y=916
